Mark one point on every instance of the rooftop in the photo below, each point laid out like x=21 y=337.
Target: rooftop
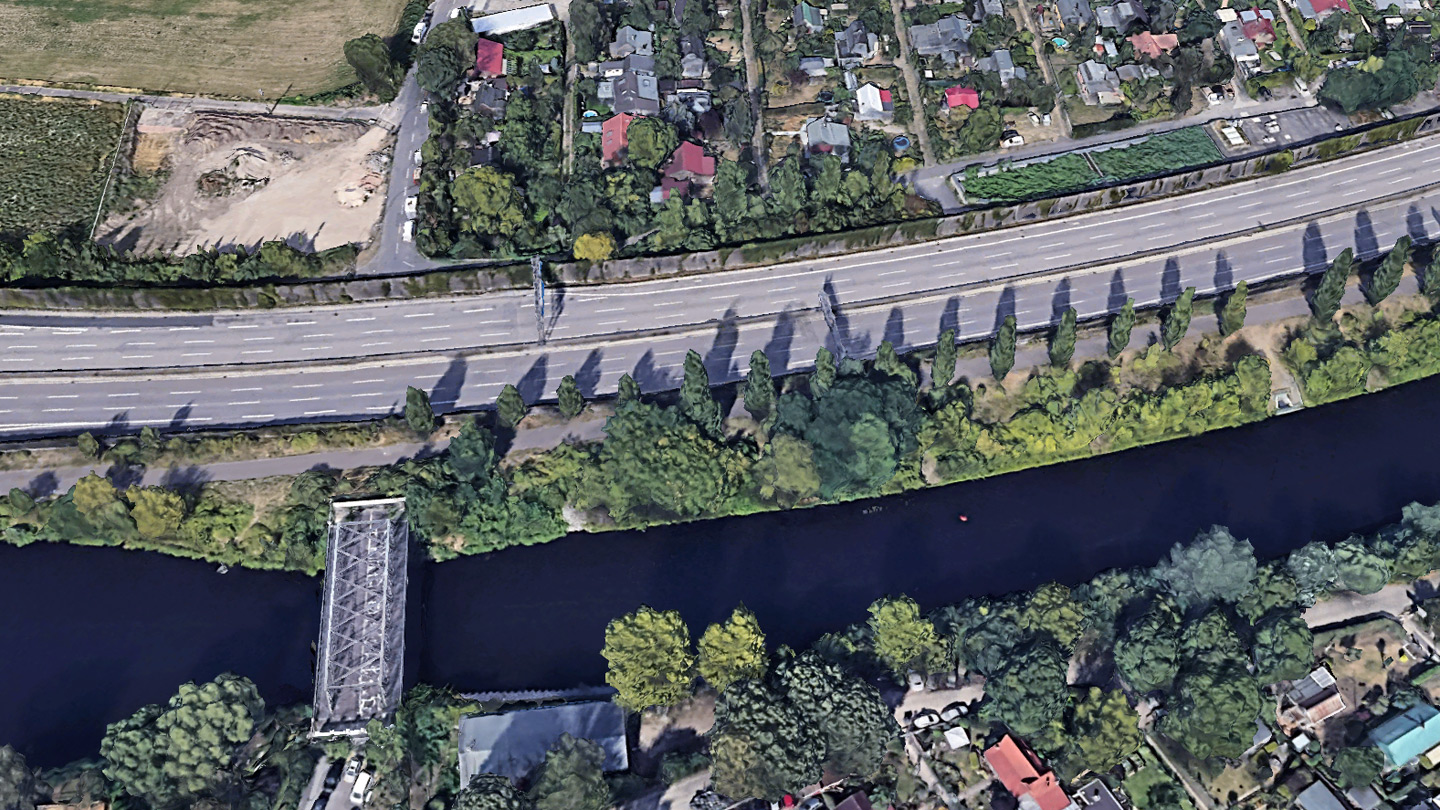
x=512 y=743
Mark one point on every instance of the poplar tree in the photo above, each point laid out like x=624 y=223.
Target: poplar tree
x=943 y=369
x=824 y=374
x=695 y=400
x=510 y=406
x=1232 y=315
x=1386 y=277
x=572 y=402
x=1326 y=300
x=1177 y=320
x=1121 y=327
x=627 y=390
x=418 y=413
x=1002 y=349
x=759 y=387
x=1062 y=344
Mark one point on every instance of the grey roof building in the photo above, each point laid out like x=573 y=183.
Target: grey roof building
x=813 y=66
x=1121 y=15
x=855 y=45
x=1074 y=12
x=512 y=743
x=630 y=40
x=633 y=62
x=947 y=38
x=807 y=18
x=823 y=136
x=988 y=8
x=1233 y=40
x=1318 y=797
x=1001 y=62
x=1098 y=83
x=1136 y=73
x=636 y=93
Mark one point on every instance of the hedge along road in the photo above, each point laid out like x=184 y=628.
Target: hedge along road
x=534 y=617
x=238 y=369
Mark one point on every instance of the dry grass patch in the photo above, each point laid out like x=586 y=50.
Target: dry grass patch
x=209 y=47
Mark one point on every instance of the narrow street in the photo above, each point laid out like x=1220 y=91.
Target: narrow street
x=753 y=87
x=912 y=85
x=1058 y=114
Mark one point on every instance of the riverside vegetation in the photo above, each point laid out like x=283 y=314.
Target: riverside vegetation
x=848 y=429
x=1206 y=632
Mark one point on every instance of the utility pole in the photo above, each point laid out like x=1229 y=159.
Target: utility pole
x=827 y=308
x=537 y=281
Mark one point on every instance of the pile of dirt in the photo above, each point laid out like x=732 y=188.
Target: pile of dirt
x=243 y=180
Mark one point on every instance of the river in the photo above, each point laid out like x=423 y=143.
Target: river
x=90 y=634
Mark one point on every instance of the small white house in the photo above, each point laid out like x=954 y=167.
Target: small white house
x=873 y=103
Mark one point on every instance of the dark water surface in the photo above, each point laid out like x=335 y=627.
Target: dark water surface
x=87 y=635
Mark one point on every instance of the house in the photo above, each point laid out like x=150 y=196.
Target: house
x=1152 y=45
x=1121 y=15
x=1105 y=48
x=632 y=63
x=516 y=19
x=615 y=136
x=630 y=40
x=873 y=103
x=1136 y=73
x=1408 y=735
x=1020 y=772
x=512 y=743
x=1234 y=42
x=1401 y=6
x=962 y=97
x=636 y=93
x=947 y=38
x=999 y=61
x=1318 y=10
x=821 y=136
x=1098 y=84
x=813 y=66
x=1095 y=796
x=695 y=99
x=1074 y=12
x=988 y=8
x=1313 y=699
x=692 y=57
x=482 y=155
x=1318 y=797
x=855 y=46
x=1258 y=25
x=489 y=59
x=490 y=98
x=687 y=165
x=807 y=19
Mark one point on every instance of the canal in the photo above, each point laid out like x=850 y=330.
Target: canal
x=90 y=634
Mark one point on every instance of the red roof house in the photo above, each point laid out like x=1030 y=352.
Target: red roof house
x=956 y=96
x=688 y=162
x=1259 y=26
x=615 y=136
x=489 y=59
x=1019 y=771
x=1152 y=45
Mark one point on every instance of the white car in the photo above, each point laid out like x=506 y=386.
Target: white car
x=418 y=34
x=455 y=13
x=362 y=785
x=415 y=157
x=425 y=107
x=407 y=231
x=925 y=719
x=412 y=205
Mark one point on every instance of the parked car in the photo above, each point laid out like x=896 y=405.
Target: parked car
x=416 y=158
x=954 y=712
x=415 y=175
x=425 y=107
x=352 y=769
x=925 y=719
x=362 y=786
x=455 y=13
x=412 y=204
x=916 y=681
x=418 y=34
x=407 y=231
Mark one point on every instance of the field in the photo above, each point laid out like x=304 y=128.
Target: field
x=56 y=155
x=208 y=47
x=1166 y=152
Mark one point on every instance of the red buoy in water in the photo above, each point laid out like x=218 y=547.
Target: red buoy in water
x=963 y=518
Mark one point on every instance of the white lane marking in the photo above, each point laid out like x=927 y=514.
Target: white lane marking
x=299 y=323
x=481 y=309
x=306 y=399
x=132 y=394
x=244 y=326
x=253 y=388
x=188 y=342
x=421 y=315
x=258 y=339
x=358 y=320
x=318 y=413
x=308 y=385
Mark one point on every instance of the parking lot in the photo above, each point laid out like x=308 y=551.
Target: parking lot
x=332 y=785
x=1290 y=127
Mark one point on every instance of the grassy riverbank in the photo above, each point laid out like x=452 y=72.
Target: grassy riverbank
x=846 y=431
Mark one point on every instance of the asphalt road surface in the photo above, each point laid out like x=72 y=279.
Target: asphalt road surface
x=68 y=373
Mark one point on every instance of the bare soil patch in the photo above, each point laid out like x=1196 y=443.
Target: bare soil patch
x=243 y=180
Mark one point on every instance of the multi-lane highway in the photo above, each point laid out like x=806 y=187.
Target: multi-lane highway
x=70 y=372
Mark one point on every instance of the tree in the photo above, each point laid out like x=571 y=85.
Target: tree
x=88 y=445
x=488 y=791
x=157 y=511
x=1105 y=729
x=1232 y=315
x=1121 y=327
x=1028 y=692
x=418 y=413
x=889 y=363
x=509 y=406
x=651 y=141
x=167 y=754
x=761 y=746
x=571 y=777
x=657 y=464
x=648 y=652
x=786 y=473
x=1430 y=283
x=1214 y=567
x=759 y=387
x=1326 y=300
x=627 y=390
x=733 y=650
x=595 y=247
x=587 y=30
x=488 y=202
x=1358 y=766
x=1284 y=648
x=17 y=781
x=1177 y=320
x=1052 y=610
x=1386 y=277
x=1367 y=88
x=1062 y=343
x=853 y=720
x=1313 y=567
x=903 y=639
x=1002 y=349
x=695 y=400
x=438 y=70
x=1148 y=654
x=571 y=401
x=370 y=58
x=942 y=371
x=824 y=374
x=1358 y=568
x=1213 y=711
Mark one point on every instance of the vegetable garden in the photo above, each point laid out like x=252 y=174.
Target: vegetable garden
x=56 y=155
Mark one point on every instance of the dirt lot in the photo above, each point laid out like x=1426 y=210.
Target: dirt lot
x=243 y=180
x=209 y=47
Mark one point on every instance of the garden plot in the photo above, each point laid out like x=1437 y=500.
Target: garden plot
x=56 y=155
